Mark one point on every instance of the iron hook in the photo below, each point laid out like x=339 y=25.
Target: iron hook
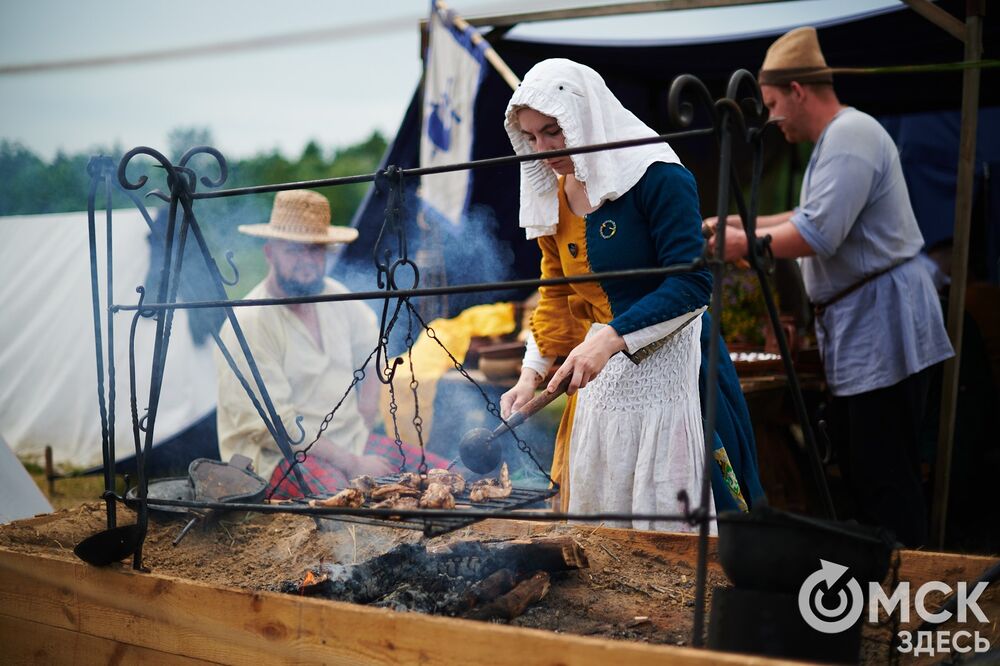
x=302 y=432
x=236 y=271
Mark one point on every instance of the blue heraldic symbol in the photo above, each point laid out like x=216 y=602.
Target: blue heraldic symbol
x=442 y=120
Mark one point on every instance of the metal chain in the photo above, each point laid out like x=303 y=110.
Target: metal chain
x=393 y=408
x=391 y=374
x=391 y=381
x=303 y=453
x=391 y=222
x=491 y=406
x=382 y=347
x=418 y=421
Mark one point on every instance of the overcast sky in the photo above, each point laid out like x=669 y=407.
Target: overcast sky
x=336 y=91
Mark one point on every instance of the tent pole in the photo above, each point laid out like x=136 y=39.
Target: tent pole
x=940 y=18
x=492 y=56
x=498 y=21
x=975 y=9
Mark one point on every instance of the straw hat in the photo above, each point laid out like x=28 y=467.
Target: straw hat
x=795 y=56
x=301 y=216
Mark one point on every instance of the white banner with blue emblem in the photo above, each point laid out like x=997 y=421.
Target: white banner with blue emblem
x=455 y=68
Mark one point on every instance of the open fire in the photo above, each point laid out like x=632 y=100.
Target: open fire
x=466 y=578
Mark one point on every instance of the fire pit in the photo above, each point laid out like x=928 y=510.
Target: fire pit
x=466 y=578
x=217 y=597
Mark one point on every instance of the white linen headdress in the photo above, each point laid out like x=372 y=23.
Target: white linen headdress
x=588 y=113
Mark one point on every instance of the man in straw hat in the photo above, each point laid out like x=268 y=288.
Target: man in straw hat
x=878 y=318
x=307 y=354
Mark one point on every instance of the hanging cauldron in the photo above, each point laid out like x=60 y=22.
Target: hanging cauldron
x=775 y=551
x=769 y=555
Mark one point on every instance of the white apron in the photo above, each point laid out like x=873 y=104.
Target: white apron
x=637 y=436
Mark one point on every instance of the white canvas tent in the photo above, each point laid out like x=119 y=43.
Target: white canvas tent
x=19 y=496
x=48 y=370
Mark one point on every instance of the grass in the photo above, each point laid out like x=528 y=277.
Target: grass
x=71 y=491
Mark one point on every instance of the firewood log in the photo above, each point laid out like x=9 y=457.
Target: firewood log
x=515 y=602
x=489 y=588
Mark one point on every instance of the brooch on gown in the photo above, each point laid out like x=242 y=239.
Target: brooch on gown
x=608 y=229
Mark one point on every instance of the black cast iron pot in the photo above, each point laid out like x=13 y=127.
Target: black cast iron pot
x=771 y=550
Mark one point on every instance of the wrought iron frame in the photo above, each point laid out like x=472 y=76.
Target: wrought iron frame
x=739 y=115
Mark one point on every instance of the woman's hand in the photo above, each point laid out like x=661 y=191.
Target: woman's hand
x=520 y=394
x=587 y=360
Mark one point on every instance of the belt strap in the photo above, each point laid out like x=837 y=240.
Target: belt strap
x=820 y=308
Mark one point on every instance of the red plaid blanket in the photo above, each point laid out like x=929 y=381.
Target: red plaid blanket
x=324 y=478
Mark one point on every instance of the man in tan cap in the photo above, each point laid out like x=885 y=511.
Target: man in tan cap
x=307 y=354
x=878 y=319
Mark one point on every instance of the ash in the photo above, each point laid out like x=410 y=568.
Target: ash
x=409 y=578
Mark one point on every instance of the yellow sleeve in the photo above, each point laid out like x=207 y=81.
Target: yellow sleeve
x=555 y=329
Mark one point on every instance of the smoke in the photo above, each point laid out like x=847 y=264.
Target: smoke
x=473 y=252
x=448 y=254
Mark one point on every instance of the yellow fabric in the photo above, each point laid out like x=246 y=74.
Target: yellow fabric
x=430 y=362
x=560 y=457
x=564 y=315
x=565 y=312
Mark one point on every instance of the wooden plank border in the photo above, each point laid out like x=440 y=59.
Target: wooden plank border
x=119 y=611
x=55 y=610
x=26 y=642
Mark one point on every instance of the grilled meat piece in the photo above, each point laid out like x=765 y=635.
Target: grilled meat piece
x=437 y=496
x=487 y=489
x=411 y=479
x=383 y=492
x=397 y=502
x=347 y=497
x=453 y=480
x=365 y=484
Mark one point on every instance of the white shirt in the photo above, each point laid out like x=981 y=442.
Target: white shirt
x=301 y=378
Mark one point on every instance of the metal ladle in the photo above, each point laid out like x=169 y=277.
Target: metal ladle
x=479 y=449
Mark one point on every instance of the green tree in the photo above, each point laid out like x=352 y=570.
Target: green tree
x=20 y=169
x=181 y=139
x=33 y=186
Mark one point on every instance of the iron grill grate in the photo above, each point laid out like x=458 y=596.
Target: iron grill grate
x=518 y=498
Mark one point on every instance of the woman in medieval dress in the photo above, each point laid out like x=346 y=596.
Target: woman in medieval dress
x=632 y=435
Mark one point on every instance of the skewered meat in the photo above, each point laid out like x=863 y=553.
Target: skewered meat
x=347 y=497
x=437 y=496
x=383 y=492
x=487 y=489
x=365 y=484
x=453 y=480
